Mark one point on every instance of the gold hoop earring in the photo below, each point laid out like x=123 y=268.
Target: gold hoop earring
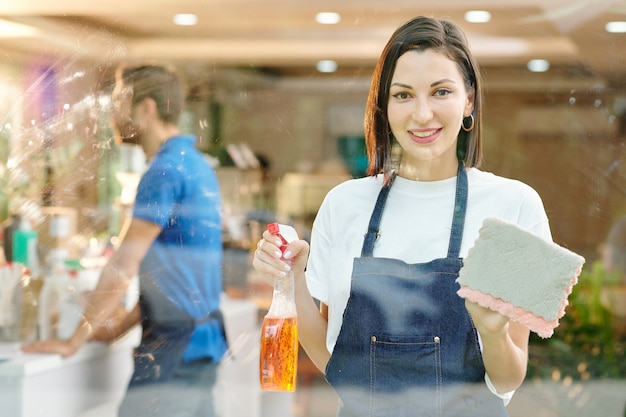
x=471 y=126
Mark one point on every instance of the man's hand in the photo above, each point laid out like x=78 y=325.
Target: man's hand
x=64 y=348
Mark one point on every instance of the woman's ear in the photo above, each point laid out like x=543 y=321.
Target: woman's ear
x=469 y=106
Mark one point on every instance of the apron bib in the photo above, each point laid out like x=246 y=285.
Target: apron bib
x=407 y=346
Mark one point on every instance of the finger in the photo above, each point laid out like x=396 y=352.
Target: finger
x=270 y=248
x=35 y=347
x=269 y=264
x=265 y=261
x=260 y=251
x=271 y=239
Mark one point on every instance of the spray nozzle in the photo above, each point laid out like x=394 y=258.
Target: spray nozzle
x=285 y=233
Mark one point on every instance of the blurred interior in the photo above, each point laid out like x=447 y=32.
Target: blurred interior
x=277 y=100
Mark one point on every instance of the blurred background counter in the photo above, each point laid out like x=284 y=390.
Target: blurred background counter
x=38 y=385
x=93 y=381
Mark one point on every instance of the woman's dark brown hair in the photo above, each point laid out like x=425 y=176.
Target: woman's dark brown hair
x=420 y=33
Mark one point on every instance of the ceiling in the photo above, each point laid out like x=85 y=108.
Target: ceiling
x=281 y=36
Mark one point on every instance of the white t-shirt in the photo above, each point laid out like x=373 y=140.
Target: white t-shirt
x=415 y=227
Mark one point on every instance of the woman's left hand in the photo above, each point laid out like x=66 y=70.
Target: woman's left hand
x=486 y=320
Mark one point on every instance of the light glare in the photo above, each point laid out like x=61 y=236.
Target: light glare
x=538 y=65
x=615 y=27
x=326 y=65
x=185 y=19
x=478 y=16
x=10 y=29
x=328 y=18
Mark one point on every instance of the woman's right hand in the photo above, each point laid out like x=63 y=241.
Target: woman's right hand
x=267 y=257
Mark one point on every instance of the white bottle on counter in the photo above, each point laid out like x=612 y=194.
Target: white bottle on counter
x=60 y=307
x=71 y=307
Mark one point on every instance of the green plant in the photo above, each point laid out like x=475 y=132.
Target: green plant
x=585 y=345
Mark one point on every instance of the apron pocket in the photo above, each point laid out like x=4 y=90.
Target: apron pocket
x=405 y=374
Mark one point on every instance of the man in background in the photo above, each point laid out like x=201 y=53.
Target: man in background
x=173 y=243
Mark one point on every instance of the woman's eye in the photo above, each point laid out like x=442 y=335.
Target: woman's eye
x=442 y=92
x=401 y=95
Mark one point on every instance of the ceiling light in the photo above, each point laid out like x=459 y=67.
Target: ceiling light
x=615 y=27
x=185 y=19
x=326 y=65
x=328 y=18
x=478 y=16
x=538 y=65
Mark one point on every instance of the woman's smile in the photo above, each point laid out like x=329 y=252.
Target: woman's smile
x=424 y=137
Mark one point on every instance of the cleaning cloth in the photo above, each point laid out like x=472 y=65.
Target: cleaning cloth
x=519 y=275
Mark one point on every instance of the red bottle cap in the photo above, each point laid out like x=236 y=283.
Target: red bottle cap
x=274 y=228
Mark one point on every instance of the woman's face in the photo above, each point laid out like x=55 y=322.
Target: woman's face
x=427 y=103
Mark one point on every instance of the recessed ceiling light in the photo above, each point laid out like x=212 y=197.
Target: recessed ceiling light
x=538 y=65
x=328 y=18
x=185 y=19
x=326 y=65
x=615 y=27
x=478 y=16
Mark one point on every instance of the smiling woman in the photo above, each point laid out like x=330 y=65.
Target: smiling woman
x=560 y=131
x=391 y=334
x=428 y=101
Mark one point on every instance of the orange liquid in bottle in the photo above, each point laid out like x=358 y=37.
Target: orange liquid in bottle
x=279 y=354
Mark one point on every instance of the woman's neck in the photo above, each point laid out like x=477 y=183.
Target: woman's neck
x=428 y=170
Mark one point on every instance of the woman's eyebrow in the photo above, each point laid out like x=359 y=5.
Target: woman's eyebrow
x=398 y=84
x=442 y=81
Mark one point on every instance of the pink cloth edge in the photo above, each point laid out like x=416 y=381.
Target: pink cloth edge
x=544 y=328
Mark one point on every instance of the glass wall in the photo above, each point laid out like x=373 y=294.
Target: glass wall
x=280 y=134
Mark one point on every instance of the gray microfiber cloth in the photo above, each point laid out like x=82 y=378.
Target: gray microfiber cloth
x=519 y=275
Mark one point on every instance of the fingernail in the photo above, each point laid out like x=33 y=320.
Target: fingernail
x=278 y=242
x=278 y=254
x=287 y=254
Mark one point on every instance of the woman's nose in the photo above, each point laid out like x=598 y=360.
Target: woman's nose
x=422 y=111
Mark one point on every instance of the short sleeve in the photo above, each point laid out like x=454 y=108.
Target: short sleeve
x=157 y=194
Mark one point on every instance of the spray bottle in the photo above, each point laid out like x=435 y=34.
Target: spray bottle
x=279 y=334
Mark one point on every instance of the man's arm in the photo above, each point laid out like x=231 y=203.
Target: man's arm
x=119 y=325
x=112 y=286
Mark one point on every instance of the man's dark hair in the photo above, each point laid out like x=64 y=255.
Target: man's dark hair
x=162 y=85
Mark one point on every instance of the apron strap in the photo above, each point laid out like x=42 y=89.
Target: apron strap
x=373 y=229
x=458 y=218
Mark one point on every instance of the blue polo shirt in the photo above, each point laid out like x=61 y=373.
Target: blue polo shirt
x=180 y=192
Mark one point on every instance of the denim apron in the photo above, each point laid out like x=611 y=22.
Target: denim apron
x=166 y=331
x=407 y=345
x=161 y=384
